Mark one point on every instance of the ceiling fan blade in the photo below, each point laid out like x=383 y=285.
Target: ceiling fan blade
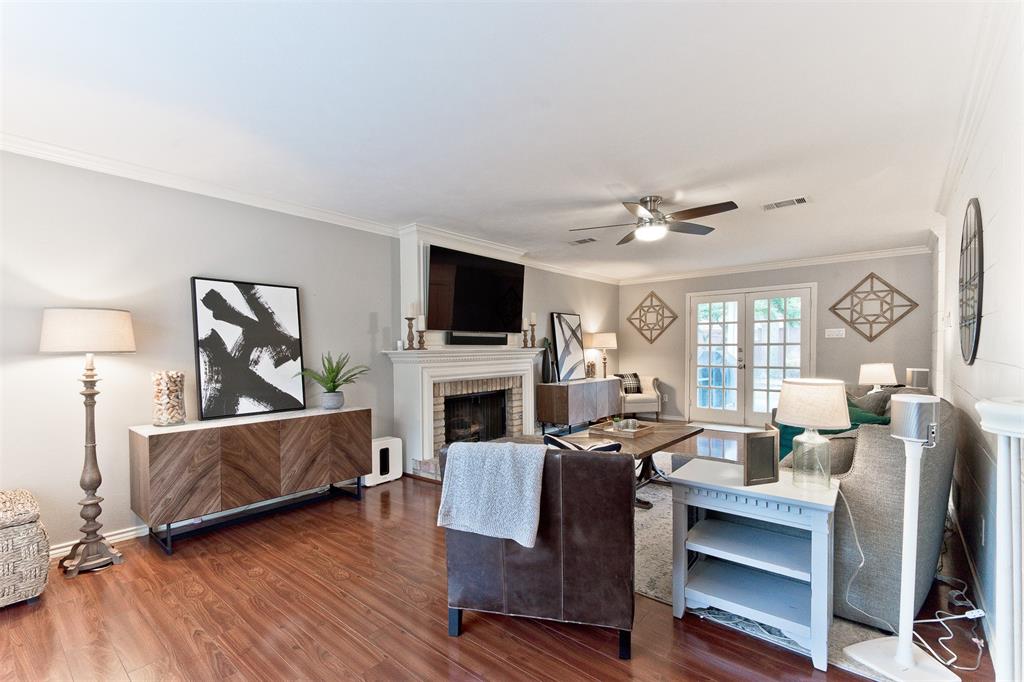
x=599 y=227
x=627 y=239
x=638 y=210
x=690 y=228
x=701 y=211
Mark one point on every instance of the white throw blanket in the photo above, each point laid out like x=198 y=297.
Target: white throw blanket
x=493 y=489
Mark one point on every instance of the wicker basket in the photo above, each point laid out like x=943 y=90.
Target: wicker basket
x=24 y=548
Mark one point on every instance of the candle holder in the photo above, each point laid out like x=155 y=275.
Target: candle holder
x=525 y=341
x=533 y=335
x=409 y=338
x=421 y=344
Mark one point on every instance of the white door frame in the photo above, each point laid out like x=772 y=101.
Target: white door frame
x=687 y=345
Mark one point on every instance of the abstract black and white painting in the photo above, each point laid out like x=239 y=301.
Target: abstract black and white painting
x=567 y=329
x=248 y=348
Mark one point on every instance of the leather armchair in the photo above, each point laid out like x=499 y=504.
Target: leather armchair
x=647 y=401
x=581 y=568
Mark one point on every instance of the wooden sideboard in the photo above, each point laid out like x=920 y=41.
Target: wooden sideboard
x=187 y=471
x=576 y=402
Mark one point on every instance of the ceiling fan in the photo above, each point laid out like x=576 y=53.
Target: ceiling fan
x=651 y=224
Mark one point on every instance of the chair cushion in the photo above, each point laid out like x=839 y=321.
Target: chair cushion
x=562 y=444
x=17 y=507
x=630 y=382
x=641 y=398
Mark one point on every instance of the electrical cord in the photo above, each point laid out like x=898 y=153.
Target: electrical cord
x=956 y=597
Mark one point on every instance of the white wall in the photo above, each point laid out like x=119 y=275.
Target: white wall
x=992 y=173
x=76 y=238
x=908 y=344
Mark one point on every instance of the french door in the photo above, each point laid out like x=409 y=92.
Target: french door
x=741 y=345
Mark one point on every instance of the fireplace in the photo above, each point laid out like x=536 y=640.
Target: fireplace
x=474 y=417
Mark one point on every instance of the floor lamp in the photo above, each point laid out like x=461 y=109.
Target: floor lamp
x=88 y=330
x=914 y=422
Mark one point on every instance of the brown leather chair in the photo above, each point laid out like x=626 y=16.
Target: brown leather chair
x=581 y=568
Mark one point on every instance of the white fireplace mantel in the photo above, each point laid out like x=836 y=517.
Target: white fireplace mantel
x=416 y=372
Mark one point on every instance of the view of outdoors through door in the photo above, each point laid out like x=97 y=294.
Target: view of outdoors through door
x=742 y=345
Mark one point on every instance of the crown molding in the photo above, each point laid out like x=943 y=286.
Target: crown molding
x=69 y=157
x=783 y=264
x=485 y=247
x=991 y=41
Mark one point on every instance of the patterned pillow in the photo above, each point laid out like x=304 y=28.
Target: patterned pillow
x=630 y=382
x=562 y=444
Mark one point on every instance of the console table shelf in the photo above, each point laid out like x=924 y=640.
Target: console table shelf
x=766 y=550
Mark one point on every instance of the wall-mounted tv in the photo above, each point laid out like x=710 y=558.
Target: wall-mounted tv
x=470 y=293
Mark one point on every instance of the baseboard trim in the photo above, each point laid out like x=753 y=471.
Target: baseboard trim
x=59 y=550
x=979 y=597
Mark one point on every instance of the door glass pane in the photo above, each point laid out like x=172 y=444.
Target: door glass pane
x=760 y=378
x=793 y=356
x=760 y=332
x=730 y=378
x=761 y=309
x=717 y=353
x=703 y=333
x=775 y=379
x=760 y=401
x=703 y=312
x=731 y=311
x=777 y=308
x=730 y=399
x=703 y=399
x=703 y=355
x=793 y=307
x=775 y=356
x=717 y=311
x=792 y=373
x=731 y=358
x=760 y=356
x=717 y=334
x=716 y=376
x=731 y=333
x=793 y=331
x=703 y=376
x=773 y=400
x=775 y=334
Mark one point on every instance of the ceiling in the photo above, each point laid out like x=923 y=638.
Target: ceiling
x=516 y=122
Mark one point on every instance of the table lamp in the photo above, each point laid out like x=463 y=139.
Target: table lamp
x=878 y=374
x=604 y=342
x=917 y=377
x=812 y=404
x=89 y=331
x=914 y=422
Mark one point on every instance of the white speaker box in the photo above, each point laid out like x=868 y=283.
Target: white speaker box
x=387 y=461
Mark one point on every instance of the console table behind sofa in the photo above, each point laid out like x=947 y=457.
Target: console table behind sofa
x=191 y=470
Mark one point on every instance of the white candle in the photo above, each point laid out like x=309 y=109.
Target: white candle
x=412 y=310
x=533 y=318
x=421 y=323
x=526 y=325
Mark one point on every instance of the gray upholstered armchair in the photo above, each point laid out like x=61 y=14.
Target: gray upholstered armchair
x=870 y=465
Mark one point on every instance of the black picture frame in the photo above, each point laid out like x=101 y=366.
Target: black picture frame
x=290 y=347
x=567 y=337
x=761 y=456
x=971 y=281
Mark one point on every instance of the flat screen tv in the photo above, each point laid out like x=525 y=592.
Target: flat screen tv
x=470 y=293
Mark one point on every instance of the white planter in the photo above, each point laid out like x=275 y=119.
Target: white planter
x=333 y=401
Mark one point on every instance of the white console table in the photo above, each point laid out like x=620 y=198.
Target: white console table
x=776 y=578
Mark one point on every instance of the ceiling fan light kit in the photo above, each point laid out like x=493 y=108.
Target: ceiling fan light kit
x=652 y=225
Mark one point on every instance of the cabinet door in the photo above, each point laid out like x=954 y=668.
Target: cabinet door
x=305 y=454
x=351 y=449
x=184 y=475
x=250 y=469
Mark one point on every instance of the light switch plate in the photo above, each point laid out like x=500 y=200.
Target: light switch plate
x=835 y=333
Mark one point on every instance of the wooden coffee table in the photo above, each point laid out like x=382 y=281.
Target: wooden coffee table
x=643 y=448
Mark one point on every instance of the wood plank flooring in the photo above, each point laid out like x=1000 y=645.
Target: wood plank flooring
x=346 y=590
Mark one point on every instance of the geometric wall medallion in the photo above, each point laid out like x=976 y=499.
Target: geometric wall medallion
x=652 y=317
x=872 y=307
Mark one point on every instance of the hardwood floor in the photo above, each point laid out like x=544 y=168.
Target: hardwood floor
x=345 y=590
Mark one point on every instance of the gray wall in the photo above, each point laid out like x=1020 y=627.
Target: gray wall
x=908 y=344
x=547 y=292
x=992 y=173
x=76 y=238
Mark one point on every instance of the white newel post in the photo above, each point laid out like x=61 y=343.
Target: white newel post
x=1004 y=417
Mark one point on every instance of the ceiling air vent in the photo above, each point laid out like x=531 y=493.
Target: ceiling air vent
x=585 y=240
x=784 y=203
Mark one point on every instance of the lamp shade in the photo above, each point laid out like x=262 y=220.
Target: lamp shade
x=813 y=404
x=86 y=330
x=881 y=373
x=604 y=340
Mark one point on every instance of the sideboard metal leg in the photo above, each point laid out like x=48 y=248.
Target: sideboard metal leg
x=166 y=541
x=454 y=622
x=625 y=648
x=353 y=491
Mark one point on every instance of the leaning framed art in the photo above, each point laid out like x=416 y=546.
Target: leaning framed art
x=567 y=330
x=248 y=347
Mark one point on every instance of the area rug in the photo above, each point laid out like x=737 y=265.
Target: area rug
x=654 y=579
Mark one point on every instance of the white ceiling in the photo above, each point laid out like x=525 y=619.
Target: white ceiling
x=515 y=122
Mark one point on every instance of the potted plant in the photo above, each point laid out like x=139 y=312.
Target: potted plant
x=333 y=377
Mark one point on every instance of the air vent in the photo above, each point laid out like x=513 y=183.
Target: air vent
x=784 y=203
x=585 y=240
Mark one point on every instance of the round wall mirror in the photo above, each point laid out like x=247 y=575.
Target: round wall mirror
x=972 y=274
